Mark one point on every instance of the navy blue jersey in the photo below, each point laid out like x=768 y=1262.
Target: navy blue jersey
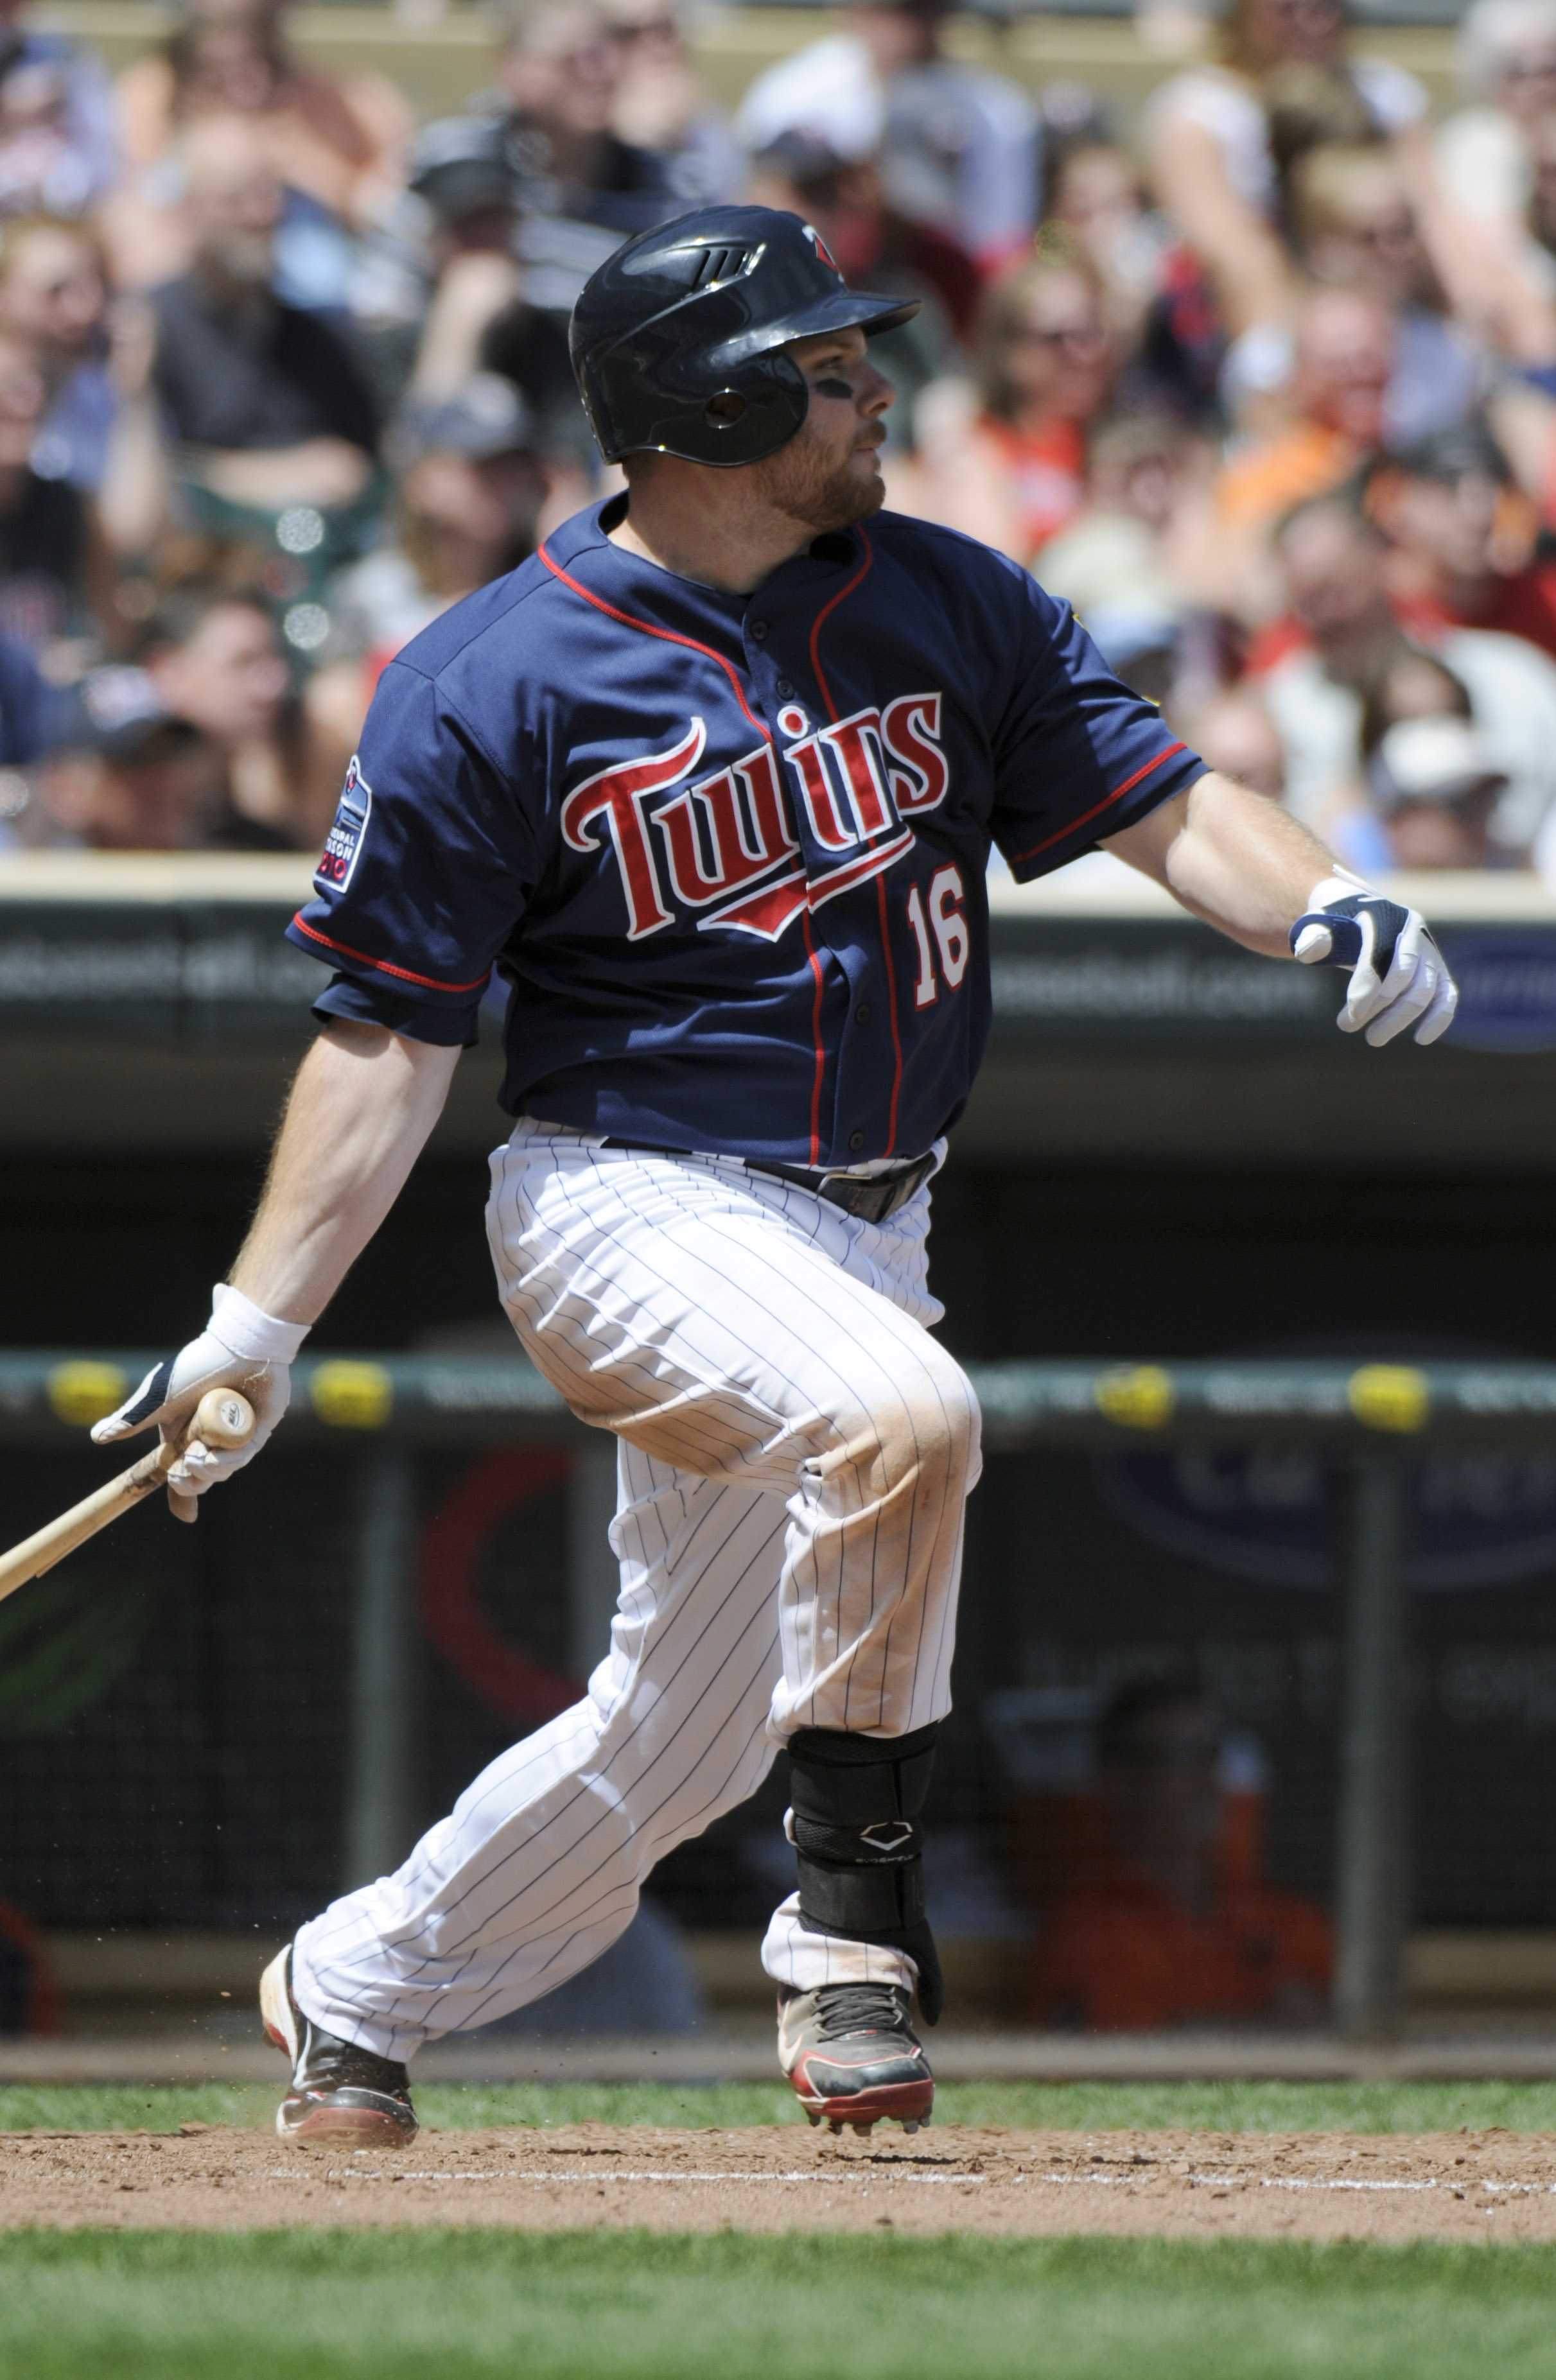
x=728 y=852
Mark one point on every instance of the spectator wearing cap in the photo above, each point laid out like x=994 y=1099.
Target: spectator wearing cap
x=958 y=147
x=1346 y=641
x=1463 y=539
x=479 y=317
x=1009 y=467
x=582 y=188
x=123 y=774
x=1434 y=786
x=662 y=105
x=256 y=406
x=471 y=487
x=211 y=656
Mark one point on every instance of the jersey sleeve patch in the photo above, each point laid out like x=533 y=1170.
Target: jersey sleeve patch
x=343 y=845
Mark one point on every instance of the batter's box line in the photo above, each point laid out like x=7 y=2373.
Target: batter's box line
x=1291 y=2181
x=548 y=2173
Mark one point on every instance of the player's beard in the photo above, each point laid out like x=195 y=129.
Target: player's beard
x=809 y=485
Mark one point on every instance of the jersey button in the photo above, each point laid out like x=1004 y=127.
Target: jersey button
x=861 y=1014
x=784 y=689
x=758 y=630
x=856 y=1140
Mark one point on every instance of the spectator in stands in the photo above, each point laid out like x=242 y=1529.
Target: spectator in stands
x=1344 y=639
x=480 y=316
x=1145 y=475
x=1235 y=734
x=1098 y=195
x=1485 y=153
x=263 y=400
x=1174 y=1923
x=1010 y=466
x=1355 y=228
x=662 y=105
x=1431 y=780
x=1340 y=373
x=958 y=147
x=56 y=121
x=213 y=660
x=558 y=77
x=1212 y=162
x=123 y=774
x=331 y=145
x=1463 y=539
x=53 y=567
x=471 y=484
x=53 y=300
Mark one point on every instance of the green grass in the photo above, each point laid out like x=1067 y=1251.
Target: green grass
x=1076 y=2106
x=431 y=2305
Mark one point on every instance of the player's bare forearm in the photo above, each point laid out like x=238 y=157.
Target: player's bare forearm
x=1235 y=858
x=360 y=1109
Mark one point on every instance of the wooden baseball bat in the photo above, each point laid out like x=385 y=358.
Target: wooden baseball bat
x=221 y=1418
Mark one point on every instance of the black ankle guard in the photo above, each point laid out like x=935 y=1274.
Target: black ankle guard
x=857 y=1800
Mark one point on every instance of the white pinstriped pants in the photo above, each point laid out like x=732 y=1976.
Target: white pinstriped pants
x=794 y=1454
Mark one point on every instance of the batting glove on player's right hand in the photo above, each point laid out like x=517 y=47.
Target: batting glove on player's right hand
x=1399 y=977
x=241 y=1347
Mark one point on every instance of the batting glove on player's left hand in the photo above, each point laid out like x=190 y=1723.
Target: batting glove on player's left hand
x=241 y=1347
x=1399 y=977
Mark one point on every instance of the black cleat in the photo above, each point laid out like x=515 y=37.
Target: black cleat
x=338 y=2091
x=852 y=2057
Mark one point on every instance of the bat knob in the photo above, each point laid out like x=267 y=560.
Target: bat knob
x=223 y=1418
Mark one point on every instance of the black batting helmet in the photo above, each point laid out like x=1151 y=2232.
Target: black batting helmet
x=676 y=339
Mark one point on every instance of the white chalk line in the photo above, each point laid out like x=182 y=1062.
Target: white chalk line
x=356 y=2173
x=539 y=2175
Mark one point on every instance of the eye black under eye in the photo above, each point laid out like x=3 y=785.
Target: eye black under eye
x=833 y=388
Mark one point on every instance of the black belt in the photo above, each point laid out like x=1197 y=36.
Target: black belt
x=872 y=1199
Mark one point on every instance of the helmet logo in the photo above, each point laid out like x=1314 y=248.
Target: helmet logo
x=822 y=251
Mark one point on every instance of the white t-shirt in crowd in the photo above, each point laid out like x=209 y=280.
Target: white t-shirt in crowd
x=1512 y=687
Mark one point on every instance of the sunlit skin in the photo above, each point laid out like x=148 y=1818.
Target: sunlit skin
x=734 y=529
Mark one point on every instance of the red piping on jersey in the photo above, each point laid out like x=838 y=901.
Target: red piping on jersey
x=428 y=983
x=1116 y=796
x=816 y=1036
x=667 y=636
x=820 y=675
x=820 y=620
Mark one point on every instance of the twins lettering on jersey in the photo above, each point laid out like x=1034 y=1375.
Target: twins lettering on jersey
x=724 y=844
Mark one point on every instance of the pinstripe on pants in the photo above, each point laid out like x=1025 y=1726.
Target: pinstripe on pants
x=795 y=1452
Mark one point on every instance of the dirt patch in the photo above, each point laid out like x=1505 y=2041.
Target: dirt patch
x=1458 y=2185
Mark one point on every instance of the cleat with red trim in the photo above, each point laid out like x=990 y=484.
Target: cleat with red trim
x=852 y=2057
x=339 y=2091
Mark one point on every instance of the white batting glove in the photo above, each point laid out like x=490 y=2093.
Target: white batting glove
x=241 y=1347
x=1398 y=977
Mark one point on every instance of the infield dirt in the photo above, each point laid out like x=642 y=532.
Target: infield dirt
x=1391 y=2187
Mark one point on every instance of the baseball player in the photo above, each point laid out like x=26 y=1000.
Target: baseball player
x=712 y=783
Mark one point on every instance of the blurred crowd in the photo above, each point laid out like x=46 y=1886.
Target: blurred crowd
x=1266 y=389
